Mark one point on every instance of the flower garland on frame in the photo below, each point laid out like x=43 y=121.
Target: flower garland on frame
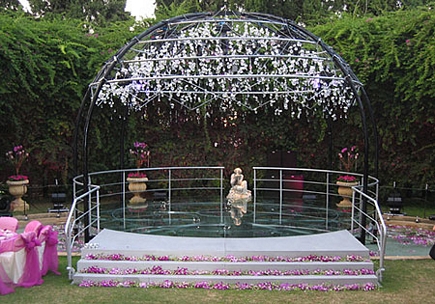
x=190 y=66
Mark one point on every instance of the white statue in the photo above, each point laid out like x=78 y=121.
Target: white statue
x=239 y=196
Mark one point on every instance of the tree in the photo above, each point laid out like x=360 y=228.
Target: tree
x=47 y=66
x=97 y=12
x=395 y=60
x=11 y=5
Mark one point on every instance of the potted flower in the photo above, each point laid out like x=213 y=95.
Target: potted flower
x=136 y=180
x=140 y=175
x=18 y=183
x=141 y=154
x=346 y=179
x=348 y=160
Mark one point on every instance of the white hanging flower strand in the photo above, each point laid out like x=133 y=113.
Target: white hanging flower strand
x=236 y=63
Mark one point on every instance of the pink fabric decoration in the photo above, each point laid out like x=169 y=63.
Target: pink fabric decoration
x=12 y=243
x=35 y=226
x=32 y=259
x=8 y=223
x=50 y=261
x=32 y=273
x=29 y=269
x=4 y=288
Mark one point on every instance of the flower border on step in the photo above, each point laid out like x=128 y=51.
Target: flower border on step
x=228 y=258
x=237 y=286
x=159 y=270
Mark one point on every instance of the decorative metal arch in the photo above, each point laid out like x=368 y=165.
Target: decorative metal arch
x=239 y=61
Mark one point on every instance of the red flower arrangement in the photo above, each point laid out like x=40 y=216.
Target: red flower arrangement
x=17 y=177
x=346 y=178
x=137 y=175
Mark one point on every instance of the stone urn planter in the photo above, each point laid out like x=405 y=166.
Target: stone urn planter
x=17 y=189
x=137 y=185
x=345 y=190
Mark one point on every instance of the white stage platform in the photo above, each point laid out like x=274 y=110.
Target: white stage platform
x=332 y=243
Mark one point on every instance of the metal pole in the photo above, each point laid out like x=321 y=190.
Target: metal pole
x=169 y=194
x=255 y=194
x=280 y=196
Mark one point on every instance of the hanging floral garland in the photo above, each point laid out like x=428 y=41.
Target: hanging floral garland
x=238 y=63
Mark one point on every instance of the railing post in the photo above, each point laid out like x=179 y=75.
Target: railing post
x=222 y=195
x=124 y=206
x=327 y=201
x=87 y=209
x=255 y=195
x=169 y=195
x=280 y=196
x=98 y=210
x=352 y=217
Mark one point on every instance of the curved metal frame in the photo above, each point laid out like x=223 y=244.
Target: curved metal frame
x=269 y=61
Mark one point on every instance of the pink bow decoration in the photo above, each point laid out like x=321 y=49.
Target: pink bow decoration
x=32 y=273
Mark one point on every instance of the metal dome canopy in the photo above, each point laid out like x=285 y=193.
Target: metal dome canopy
x=238 y=60
x=227 y=63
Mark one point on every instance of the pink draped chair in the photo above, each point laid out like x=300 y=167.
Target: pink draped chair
x=49 y=240
x=19 y=262
x=32 y=272
x=34 y=226
x=8 y=223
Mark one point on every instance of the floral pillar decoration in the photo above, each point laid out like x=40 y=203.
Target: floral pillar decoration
x=18 y=183
x=137 y=180
x=348 y=160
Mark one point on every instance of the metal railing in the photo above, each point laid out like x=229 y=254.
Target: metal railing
x=376 y=227
x=278 y=182
x=74 y=227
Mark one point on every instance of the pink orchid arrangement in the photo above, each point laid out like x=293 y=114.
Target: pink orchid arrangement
x=141 y=154
x=348 y=160
x=17 y=156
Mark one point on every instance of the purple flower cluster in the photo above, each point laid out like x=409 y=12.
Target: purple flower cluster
x=17 y=156
x=224 y=286
x=140 y=153
x=348 y=158
x=412 y=235
x=228 y=258
x=159 y=270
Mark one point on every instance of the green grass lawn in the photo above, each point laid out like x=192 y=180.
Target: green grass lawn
x=405 y=281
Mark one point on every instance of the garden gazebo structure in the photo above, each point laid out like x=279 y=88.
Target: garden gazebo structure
x=236 y=62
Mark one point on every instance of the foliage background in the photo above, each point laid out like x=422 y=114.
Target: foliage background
x=48 y=62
